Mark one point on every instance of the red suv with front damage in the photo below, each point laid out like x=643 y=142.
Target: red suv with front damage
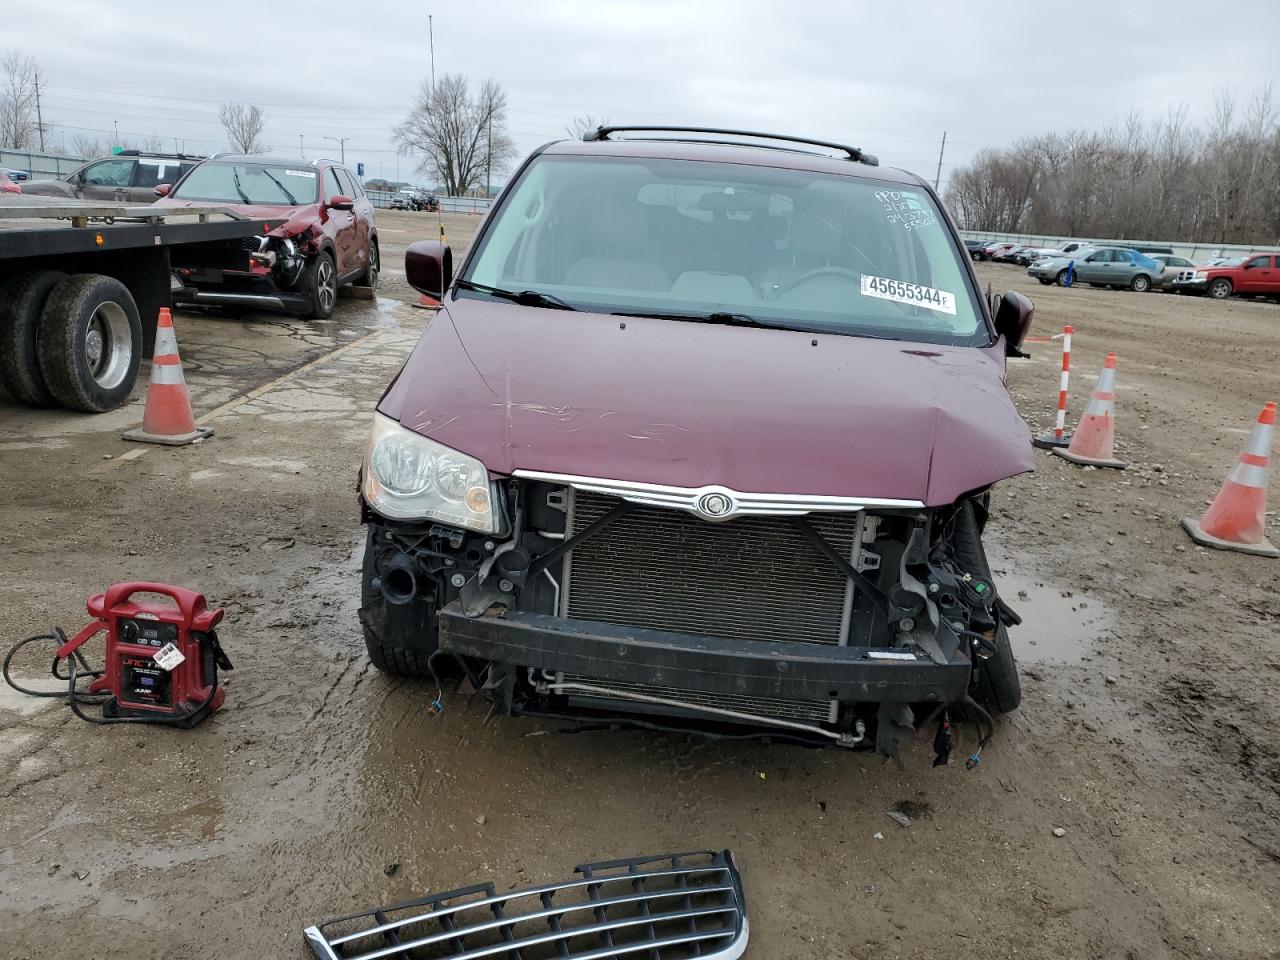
x=328 y=236
x=703 y=436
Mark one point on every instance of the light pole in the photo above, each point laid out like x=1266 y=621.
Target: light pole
x=342 y=146
x=116 y=125
x=302 y=151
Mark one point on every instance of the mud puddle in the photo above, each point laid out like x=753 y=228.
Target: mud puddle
x=1059 y=624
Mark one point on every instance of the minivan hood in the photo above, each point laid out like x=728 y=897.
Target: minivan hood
x=690 y=404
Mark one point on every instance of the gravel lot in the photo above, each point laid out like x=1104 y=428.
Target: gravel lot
x=1148 y=732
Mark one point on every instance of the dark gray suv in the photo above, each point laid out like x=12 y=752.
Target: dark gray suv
x=129 y=176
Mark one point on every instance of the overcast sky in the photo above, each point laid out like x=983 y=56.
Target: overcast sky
x=889 y=77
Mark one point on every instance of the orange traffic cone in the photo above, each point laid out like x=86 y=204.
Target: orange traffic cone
x=1236 y=519
x=167 y=417
x=427 y=303
x=1093 y=443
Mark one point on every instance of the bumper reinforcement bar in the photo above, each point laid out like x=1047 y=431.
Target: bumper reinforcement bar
x=789 y=671
x=671 y=906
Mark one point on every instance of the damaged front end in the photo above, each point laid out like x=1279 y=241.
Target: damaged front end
x=264 y=271
x=828 y=621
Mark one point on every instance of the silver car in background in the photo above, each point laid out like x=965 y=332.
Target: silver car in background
x=1117 y=267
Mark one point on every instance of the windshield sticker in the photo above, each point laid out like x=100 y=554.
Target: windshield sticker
x=309 y=174
x=905 y=208
x=912 y=294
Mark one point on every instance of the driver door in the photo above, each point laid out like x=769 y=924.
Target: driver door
x=106 y=180
x=1093 y=268
x=341 y=225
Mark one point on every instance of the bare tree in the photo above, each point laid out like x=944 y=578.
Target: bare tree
x=1145 y=179
x=83 y=145
x=243 y=123
x=462 y=139
x=19 y=81
x=585 y=124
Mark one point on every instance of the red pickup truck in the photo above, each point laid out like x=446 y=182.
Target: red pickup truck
x=1257 y=275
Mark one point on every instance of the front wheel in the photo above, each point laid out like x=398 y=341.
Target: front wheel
x=1220 y=289
x=997 y=686
x=319 y=284
x=975 y=257
x=1063 y=279
x=1140 y=284
x=400 y=637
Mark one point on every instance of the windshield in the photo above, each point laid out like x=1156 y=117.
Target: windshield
x=791 y=248
x=251 y=183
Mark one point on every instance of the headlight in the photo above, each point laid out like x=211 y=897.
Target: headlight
x=408 y=477
x=1201 y=275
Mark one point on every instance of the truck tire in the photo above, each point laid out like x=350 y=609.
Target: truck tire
x=998 y=686
x=90 y=343
x=319 y=282
x=1221 y=288
x=22 y=300
x=401 y=637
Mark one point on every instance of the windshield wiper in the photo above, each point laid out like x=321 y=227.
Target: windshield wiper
x=720 y=316
x=239 y=189
x=283 y=189
x=528 y=298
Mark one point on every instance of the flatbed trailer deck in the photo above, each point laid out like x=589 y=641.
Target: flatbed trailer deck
x=108 y=264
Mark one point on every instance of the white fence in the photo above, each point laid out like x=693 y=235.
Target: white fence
x=1192 y=250
x=41 y=166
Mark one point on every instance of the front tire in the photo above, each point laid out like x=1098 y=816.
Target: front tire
x=400 y=638
x=997 y=686
x=1061 y=279
x=90 y=343
x=1140 y=284
x=319 y=284
x=1220 y=289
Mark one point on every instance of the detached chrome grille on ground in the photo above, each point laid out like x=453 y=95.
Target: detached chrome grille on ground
x=753 y=578
x=669 y=907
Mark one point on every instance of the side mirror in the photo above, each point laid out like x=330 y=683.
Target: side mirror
x=428 y=266
x=1013 y=321
x=339 y=202
x=162 y=190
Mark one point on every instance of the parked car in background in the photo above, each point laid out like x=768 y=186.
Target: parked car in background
x=1258 y=275
x=993 y=250
x=1104 y=267
x=1174 y=268
x=131 y=175
x=7 y=185
x=785 y=542
x=17 y=176
x=328 y=237
x=977 y=249
x=1009 y=255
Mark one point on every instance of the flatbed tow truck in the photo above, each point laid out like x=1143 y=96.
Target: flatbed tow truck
x=81 y=285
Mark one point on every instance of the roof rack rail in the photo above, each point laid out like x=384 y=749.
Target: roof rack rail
x=160 y=154
x=853 y=153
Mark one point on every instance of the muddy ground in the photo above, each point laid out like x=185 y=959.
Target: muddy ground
x=1149 y=731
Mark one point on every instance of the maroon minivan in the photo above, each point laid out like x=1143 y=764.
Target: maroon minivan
x=702 y=437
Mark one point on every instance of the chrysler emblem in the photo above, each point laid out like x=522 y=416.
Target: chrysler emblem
x=715 y=506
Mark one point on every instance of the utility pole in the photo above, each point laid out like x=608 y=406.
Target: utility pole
x=302 y=151
x=937 y=177
x=342 y=146
x=431 y=40
x=116 y=125
x=39 y=118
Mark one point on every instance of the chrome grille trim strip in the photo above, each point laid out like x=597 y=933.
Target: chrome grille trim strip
x=744 y=504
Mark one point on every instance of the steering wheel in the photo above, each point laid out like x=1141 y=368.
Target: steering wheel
x=821 y=272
